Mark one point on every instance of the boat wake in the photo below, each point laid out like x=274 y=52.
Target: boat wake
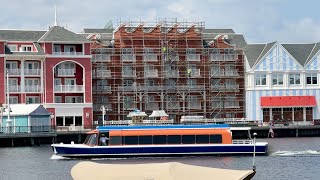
x=58 y=157
x=297 y=153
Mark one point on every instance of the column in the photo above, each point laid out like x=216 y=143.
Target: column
x=304 y=114
x=270 y=114
x=22 y=77
x=293 y=115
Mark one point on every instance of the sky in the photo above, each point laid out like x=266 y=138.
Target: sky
x=260 y=21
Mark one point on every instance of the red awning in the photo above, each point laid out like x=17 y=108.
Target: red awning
x=288 y=101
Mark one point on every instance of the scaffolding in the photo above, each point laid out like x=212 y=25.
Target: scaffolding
x=168 y=65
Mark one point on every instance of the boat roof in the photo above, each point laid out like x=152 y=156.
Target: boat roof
x=168 y=171
x=141 y=127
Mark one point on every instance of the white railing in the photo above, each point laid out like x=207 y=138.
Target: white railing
x=33 y=72
x=14 y=88
x=129 y=73
x=67 y=53
x=68 y=88
x=14 y=71
x=158 y=121
x=101 y=73
x=102 y=88
x=150 y=57
x=217 y=72
x=242 y=141
x=66 y=72
x=32 y=88
x=232 y=72
x=119 y=122
x=195 y=73
x=192 y=105
x=222 y=57
x=151 y=73
x=128 y=57
x=193 y=57
x=172 y=73
x=101 y=58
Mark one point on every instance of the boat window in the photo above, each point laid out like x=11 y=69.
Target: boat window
x=174 y=139
x=115 y=140
x=188 y=139
x=145 y=139
x=130 y=140
x=215 y=138
x=91 y=140
x=160 y=139
x=202 y=139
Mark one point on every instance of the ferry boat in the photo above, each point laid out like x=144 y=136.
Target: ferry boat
x=162 y=140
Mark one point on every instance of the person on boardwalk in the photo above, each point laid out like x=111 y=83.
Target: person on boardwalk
x=103 y=140
x=271 y=132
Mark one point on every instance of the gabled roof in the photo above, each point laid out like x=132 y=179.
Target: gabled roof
x=254 y=52
x=314 y=51
x=21 y=35
x=98 y=30
x=27 y=110
x=59 y=34
x=300 y=52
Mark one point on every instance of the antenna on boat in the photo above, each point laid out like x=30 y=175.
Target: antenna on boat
x=254 y=151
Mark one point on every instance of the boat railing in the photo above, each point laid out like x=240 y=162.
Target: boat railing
x=246 y=141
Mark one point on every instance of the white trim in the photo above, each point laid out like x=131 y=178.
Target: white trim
x=68 y=56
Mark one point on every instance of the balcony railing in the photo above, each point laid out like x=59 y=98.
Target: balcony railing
x=172 y=73
x=66 y=72
x=101 y=74
x=193 y=57
x=195 y=73
x=173 y=105
x=151 y=73
x=150 y=57
x=129 y=73
x=106 y=89
x=14 y=72
x=231 y=72
x=101 y=58
x=67 y=53
x=32 y=72
x=14 y=88
x=222 y=57
x=68 y=88
x=32 y=88
x=194 y=105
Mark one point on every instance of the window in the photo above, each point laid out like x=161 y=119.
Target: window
x=149 y=82
x=202 y=139
x=312 y=78
x=73 y=99
x=13 y=100
x=130 y=140
x=127 y=82
x=161 y=139
x=149 y=99
x=26 y=48
x=215 y=138
x=12 y=47
x=33 y=99
x=32 y=82
x=68 y=120
x=115 y=140
x=277 y=79
x=188 y=139
x=31 y=65
x=294 y=79
x=261 y=79
x=57 y=99
x=57 y=81
x=68 y=48
x=57 y=48
x=70 y=81
x=11 y=65
x=127 y=71
x=145 y=139
x=191 y=82
x=59 y=121
x=174 y=139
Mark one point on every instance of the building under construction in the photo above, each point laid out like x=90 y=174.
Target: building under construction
x=180 y=67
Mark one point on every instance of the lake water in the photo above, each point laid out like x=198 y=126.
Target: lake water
x=289 y=158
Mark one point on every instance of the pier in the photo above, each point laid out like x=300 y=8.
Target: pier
x=31 y=136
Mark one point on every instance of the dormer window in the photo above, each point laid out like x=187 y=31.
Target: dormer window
x=26 y=48
x=13 y=47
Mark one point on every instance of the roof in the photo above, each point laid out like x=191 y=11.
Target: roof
x=136 y=114
x=300 y=52
x=59 y=34
x=135 y=127
x=288 y=101
x=168 y=171
x=21 y=35
x=158 y=113
x=27 y=110
x=88 y=30
x=254 y=52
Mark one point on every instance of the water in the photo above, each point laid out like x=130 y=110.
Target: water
x=289 y=158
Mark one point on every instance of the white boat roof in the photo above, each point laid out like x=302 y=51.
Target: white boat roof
x=137 y=114
x=240 y=128
x=157 y=171
x=159 y=113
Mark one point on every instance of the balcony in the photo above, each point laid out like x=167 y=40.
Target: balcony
x=232 y=104
x=189 y=87
x=172 y=73
x=173 y=105
x=232 y=87
x=194 y=105
x=128 y=58
x=103 y=89
x=101 y=58
x=151 y=73
x=151 y=106
x=150 y=57
x=101 y=74
x=67 y=53
x=217 y=72
x=14 y=72
x=231 y=72
x=32 y=88
x=68 y=88
x=14 y=88
x=195 y=73
x=128 y=73
x=193 y=57
x=66 y=72
x=32 y=72
x=222 y=57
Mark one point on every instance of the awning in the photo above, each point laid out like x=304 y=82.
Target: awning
x=159 y=113
x=288 y=101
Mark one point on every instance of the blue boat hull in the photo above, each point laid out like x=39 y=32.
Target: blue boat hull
x=157 y=150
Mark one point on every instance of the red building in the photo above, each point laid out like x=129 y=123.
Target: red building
x=51 y=68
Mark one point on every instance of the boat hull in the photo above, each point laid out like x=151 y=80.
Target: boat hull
x=83 y=151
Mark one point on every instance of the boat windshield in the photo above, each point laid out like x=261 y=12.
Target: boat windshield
x=91 y=140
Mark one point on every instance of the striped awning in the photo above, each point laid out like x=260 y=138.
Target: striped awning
x=288 y=101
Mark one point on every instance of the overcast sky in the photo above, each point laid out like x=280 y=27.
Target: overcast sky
x=286 y=21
